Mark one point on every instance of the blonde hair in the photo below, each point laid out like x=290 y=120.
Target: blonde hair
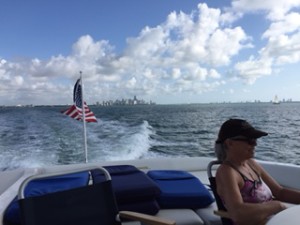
x=221 y=151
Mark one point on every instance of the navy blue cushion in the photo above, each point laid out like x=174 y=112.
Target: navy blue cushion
x=129 y=183
x=45 y=186
x=180 y=189
x=122 y=169
x=133 y=189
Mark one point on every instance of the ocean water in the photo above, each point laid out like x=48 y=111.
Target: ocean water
x=39 y=136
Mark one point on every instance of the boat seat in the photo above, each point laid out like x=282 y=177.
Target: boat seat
x=89 y=205
x=133 y=189
x=180 y=189
x=42 y=187
x=221 y=208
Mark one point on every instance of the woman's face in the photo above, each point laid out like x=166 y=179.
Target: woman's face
x=242 y=147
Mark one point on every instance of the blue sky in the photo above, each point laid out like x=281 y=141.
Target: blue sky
x=170 y=51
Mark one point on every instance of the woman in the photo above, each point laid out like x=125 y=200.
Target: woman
x=241 y=182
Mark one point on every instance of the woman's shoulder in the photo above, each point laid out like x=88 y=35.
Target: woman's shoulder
x=227 y=176
x=225 y=171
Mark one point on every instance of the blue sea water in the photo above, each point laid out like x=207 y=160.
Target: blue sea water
x=38 y=136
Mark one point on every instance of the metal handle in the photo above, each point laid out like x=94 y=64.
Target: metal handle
x=21 y=190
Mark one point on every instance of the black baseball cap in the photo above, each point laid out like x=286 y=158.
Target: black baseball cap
x=238 y=127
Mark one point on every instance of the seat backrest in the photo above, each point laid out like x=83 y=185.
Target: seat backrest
x=39 y=187
x=213 y=185
x=133 y=189
x=90 y=204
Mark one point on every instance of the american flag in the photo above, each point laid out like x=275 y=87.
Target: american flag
x=75 y=111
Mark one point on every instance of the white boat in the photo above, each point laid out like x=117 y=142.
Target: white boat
x=286 y=174
x=276 y=100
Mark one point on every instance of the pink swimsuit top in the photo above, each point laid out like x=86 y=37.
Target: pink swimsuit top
x=254 y=191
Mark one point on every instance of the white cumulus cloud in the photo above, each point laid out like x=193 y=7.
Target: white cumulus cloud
x=187 y=53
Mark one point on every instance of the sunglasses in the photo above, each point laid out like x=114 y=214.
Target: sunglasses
x=250 y=141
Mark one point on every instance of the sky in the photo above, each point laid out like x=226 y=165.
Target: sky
x=166 y=51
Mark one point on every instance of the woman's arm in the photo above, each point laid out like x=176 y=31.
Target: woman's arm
x=228 y=187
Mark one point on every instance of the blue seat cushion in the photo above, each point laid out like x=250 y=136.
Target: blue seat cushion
x=180 y=189
x=45 y=186
x=133 y=189
x=129 y=183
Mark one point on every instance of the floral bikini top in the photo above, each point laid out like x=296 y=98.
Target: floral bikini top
x=253 y=191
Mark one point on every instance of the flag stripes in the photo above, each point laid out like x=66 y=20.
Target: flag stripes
x=75 y=111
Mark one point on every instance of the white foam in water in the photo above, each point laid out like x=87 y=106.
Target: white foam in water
x=25 y=159
x=138 y=143
x=123 y=141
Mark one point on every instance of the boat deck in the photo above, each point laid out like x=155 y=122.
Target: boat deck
x=10 y=181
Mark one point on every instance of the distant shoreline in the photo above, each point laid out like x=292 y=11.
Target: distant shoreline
x=104 y=106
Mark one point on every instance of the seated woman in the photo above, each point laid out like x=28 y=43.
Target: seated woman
x=249 y=193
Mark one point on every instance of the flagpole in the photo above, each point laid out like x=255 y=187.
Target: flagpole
x=84 y=122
